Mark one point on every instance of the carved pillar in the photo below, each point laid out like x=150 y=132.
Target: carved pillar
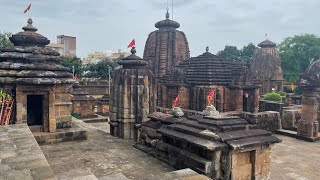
x=236 y=99
x=256 y=100
x=308 y=126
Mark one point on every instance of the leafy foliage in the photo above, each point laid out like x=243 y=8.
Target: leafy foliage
x=297 y=53
x=101 y=69
x=4 y=40
x=72 y=61
x=247 y=53
x=281 y=93
x=232 y=53
x=273 y=97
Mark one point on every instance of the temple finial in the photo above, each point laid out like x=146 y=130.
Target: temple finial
x=30 y=21
x=167 y=14
x=133 y=50
x=207 y=49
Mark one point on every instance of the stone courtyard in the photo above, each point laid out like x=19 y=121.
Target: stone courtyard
x=105 y=157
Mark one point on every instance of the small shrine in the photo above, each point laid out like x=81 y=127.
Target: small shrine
x=194 y=79
x=266 y=66
x=132 y=96
x=83 y=105
x=216 y=145
x=40 y=86
x=103 y=105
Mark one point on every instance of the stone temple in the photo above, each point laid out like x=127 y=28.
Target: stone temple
x=41 y=87
x=166 y=47
x=195 y=78
x=132 y=96
x=266 y=66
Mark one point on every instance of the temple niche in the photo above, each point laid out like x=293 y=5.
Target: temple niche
x=166 y=47
x=266 y=66
x=40 y=86
x=195 y=78
x=132 y=96
x=308 y=126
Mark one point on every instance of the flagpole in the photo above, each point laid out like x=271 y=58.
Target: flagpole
x=172 y=11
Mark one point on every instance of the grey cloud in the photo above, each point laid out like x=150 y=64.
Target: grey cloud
x=111 y=24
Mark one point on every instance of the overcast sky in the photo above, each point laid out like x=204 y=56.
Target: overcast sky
x=108 y=25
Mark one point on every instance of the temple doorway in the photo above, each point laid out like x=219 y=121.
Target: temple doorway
x=245 y=102
x=35 y=110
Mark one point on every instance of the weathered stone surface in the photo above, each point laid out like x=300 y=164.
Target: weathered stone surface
x=266 y=66
x=132 y=98
x=21 y=156
x=62 y=135
x=166 y=47
x=219 y=146
x=102 y=156
x=82 y=103
x=29 y=68
x=308 y=126
x=104 y=105
x=195 y=78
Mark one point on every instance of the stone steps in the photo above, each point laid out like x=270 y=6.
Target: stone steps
x=190 y=160
x=193 y=124
x=236 y=135
x=194 y=131
x=182 y=174
x=203 y=143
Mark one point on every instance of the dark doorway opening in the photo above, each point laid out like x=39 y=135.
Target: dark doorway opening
x=245 y=103
x=35 y=110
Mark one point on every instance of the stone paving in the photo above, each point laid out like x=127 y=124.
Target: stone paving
x=20 y=156
x=101 y=157
x=105 y=157
x=295 y=159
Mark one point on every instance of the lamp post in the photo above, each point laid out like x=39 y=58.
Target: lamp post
x=109 y=79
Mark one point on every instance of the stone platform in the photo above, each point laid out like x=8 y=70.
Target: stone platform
x=75 y=133
x=102 y=157
x=183 y=174
x=294 y=134
x=99 y=118
x=21 y=156
x=105 y=157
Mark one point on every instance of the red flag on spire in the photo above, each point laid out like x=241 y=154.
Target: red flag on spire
x=28 y=8
x=175 y=102
x=133 y=43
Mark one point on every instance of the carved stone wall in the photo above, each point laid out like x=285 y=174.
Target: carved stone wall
x=266 y=66
x=29 y=70
x=132 y=98
x=309 y=82
x=166 y=47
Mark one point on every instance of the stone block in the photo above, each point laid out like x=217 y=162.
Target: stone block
x=242 y=172
x=240 y=159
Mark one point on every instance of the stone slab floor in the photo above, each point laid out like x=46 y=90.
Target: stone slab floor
x=101 y=157
x=105 y=157
x=295 y=159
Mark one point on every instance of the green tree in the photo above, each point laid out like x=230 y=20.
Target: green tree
x=297 y=53
x=4 y=40
x=101 y=69
x=230 y=53
x=247 y=54
x=72 y=61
